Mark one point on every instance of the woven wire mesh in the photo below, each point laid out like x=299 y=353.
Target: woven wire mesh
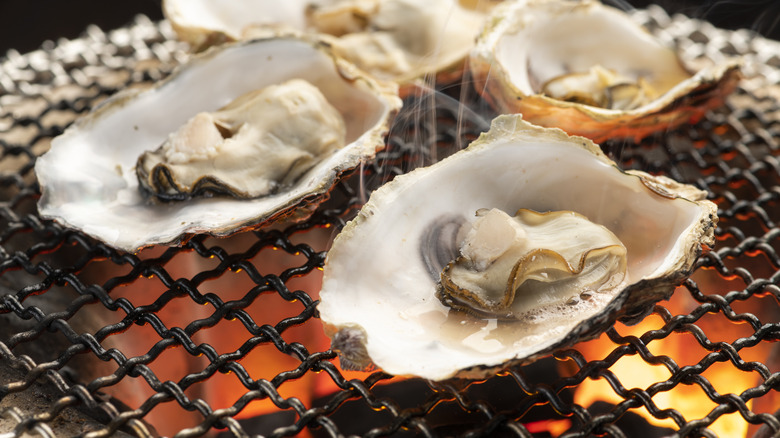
x=221 y=336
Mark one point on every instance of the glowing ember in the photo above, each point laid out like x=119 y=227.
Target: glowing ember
x=677 y=350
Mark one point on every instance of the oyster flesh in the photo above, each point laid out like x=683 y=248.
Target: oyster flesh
x=399 y=40
x=260 y=143
x=206 y=23
x=418 y=285
x=88 y=178
x=589 y=69
x=508 y=265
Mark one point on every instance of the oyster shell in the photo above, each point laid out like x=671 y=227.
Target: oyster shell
x=88 y=178
x=398 y=40
x=379 y=299
x=206 y=23
x=590 y=70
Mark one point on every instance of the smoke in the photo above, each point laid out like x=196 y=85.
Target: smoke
x=428 y=102
x=620 y=4
x=761 y=16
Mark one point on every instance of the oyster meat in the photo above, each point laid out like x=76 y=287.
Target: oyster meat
x=88 y=178
x=563 y=244
x=508 y=266
x=589 y=69
x=260 y=143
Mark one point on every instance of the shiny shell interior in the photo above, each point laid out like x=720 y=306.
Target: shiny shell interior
x=88 y=178
x=378 y=299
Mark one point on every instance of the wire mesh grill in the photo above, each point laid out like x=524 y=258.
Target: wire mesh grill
x=221 y=336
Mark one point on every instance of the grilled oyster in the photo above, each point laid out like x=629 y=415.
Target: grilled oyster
x=206 y=23
x=88 y=178
x=588 y=69
x=386 y=298
x=398 y=40
x=401 y=40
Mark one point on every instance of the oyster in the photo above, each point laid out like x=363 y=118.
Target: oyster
x=588 y=69
x=88 y=177
x=205 y=23
x=398 y=40
x=401 y=40
x=385 y=298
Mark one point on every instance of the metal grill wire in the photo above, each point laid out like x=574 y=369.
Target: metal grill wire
x=56 y=352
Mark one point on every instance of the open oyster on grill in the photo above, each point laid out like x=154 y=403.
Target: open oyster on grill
x=243 y=134
x=398 y=40
x=401 y=40
x=525 y=242
x=589 y=69
x=205 y=23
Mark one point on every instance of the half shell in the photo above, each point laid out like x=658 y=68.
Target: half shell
x=206 y=23
x=88 y=178
x=399 y=40
x=378 y=299
x=589 y=69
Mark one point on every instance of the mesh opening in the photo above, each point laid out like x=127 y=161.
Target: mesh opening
x=221 y=338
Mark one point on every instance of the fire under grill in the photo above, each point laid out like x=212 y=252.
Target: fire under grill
x=221 y=338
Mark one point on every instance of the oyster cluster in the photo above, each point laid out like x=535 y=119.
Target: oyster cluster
x=527 y=241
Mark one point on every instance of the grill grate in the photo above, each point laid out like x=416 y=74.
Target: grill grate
x=107 y=343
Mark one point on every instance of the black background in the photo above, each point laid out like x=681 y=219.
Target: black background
x=26 y=24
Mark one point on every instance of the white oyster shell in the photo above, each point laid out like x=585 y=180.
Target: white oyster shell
x=508 y=266
x=529 y=46
x=204 y=23
x=259 y=144
x=88 y=178
x=398 y=40
x=378 y=300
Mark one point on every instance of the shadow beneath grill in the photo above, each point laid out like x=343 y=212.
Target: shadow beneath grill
x=631 y=424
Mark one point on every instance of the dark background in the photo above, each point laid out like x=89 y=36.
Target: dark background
x=26 y=24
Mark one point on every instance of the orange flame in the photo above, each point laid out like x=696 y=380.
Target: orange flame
x=261 y=363
x=689 y=399
x=264 y=362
